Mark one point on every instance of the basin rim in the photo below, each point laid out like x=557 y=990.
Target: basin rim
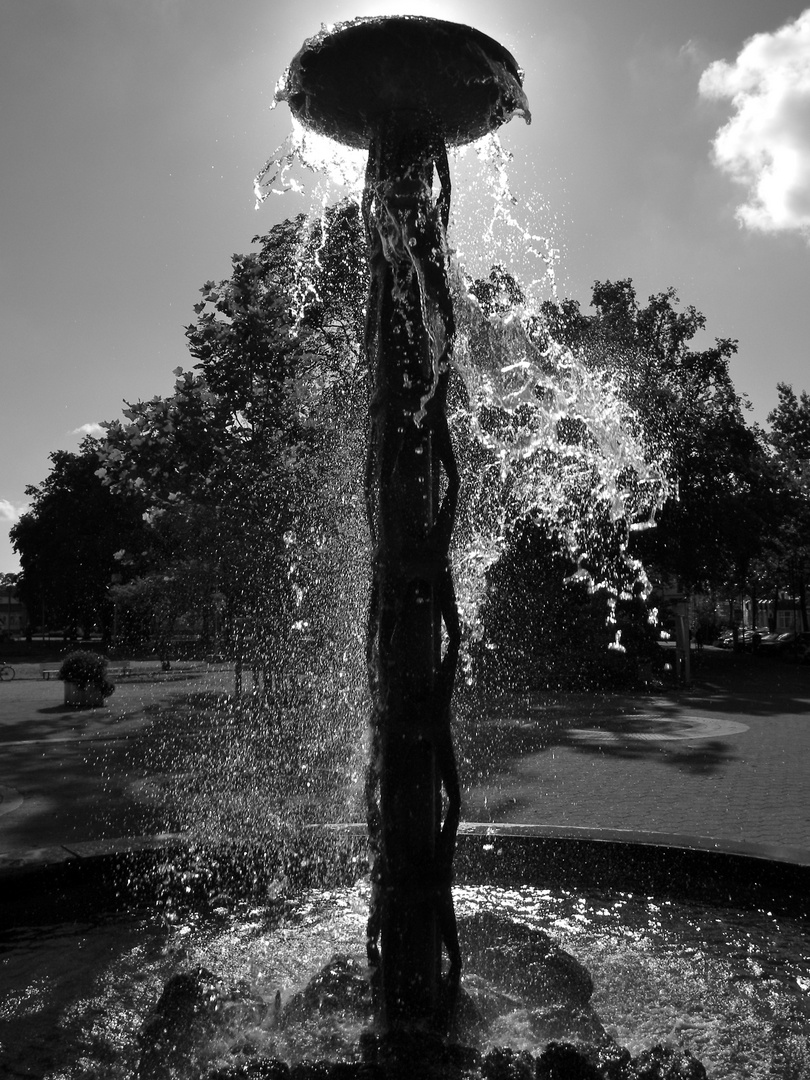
x=690 y=869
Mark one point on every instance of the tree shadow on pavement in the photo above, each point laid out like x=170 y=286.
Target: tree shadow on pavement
x=57 y=709
x=55 y=721
x=497 y=745
x=69 y=797
x=690 y=729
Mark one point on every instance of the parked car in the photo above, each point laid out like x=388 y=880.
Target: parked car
x=745 y=637
x=779 y=641
x=790 y=642
x=752 y=634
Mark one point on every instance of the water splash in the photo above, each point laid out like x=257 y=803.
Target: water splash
x=729 y=987
x=560 y=446
x=548 y=431
x=332 y=166
x=488 y=217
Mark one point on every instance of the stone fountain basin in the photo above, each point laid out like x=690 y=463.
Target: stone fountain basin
x=80 y=913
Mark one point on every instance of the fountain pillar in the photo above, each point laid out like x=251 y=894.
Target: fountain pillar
x=408 y=340
x=405 y=88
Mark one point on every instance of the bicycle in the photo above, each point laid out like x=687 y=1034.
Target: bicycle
x=7 y=672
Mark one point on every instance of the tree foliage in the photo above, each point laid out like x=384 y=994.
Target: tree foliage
x=558 y=474
x=693 y=421
x=790 y=431
x=724 y=489
x=785 y=567
x=229 y=464
x=244 y=482
x=67 y=541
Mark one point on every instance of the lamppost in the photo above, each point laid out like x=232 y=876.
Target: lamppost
x=405 y=88
x=115 y=581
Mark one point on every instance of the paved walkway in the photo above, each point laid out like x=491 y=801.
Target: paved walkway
x=726 y=760
x=59 y=784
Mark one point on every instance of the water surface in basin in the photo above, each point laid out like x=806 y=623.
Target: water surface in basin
x=733 y=988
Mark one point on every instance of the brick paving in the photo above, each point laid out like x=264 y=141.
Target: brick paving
x=725 y=760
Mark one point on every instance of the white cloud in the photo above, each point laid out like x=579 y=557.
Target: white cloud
x=9 y=512
x=766 y=144
x=89 y=429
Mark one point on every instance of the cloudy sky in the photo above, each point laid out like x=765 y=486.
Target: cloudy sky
x=670 y=143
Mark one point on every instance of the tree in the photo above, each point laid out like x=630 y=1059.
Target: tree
x=68 y=540
x=547 y=623
x=679 y=401
x=693 y=423
x=555 y=474
x=789 y=564
x=790 y=429
x=232 y=464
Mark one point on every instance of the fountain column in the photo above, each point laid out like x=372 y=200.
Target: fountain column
x=405 y=88
x=410 y=459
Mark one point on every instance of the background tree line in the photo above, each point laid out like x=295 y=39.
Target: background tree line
x=237 y=497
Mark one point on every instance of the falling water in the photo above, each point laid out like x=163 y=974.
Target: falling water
x=558 y=439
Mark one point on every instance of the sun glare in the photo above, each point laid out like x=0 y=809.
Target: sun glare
x=436 y=9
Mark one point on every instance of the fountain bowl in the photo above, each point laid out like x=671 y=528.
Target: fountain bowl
x=48 y=885
x=346 y=80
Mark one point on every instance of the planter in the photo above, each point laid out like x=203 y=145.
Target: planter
x=85 y=677
x=83 y=697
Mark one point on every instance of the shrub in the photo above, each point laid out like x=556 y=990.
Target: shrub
x=86 y=669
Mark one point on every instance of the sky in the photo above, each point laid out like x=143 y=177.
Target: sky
x=669 y=143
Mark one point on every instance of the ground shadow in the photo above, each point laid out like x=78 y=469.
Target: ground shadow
x=649 y=733
x=752 y=684
x=70 y=796
x=90 y=768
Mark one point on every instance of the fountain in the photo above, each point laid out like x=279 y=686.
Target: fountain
x=405 y=89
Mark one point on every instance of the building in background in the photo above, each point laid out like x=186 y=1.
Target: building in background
x=13 y=616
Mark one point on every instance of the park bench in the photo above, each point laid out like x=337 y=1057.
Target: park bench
x=49 y=672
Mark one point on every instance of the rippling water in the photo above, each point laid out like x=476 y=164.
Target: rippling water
x=733 y=988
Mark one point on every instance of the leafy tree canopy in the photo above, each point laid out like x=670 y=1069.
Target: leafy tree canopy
x=229 y=463
x=68 y=540
x=790 y=428
x=693 y=421
x=785 y=566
